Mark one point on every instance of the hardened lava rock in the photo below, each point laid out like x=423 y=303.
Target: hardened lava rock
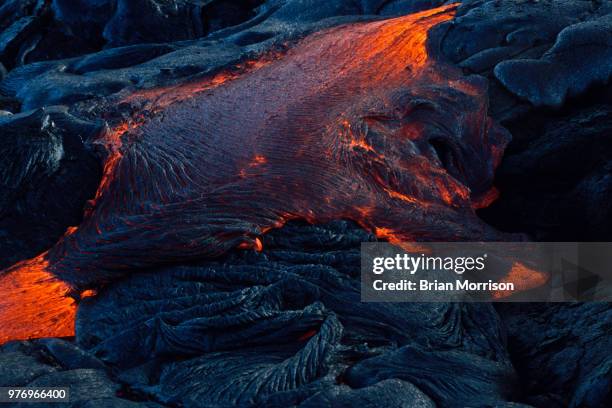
x=280 y=328
x=557 y=176
x=536 y=53
x=285 y=327
x=549 y=67
x=37 y=30
x=378 y=131
x=46 y=174
x=561 y=352
x=59 y=363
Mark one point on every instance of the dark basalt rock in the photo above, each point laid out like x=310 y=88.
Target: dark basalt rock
x=116 y=58
x=556 y=178
x=32 y=34
x=580 y=58
x=141 y=21
x=148 y=21
x=562 y=352
x=85 y=384
x=116 y=403
x=153 y=211
x=42 y=30
x=46 y=175
x=208 y=45
x=294 y=334
x=286 y=326
x=181 y=334
x=59 y=363
x=540 y=52
x=482 y=382
x=18 y=368
x=15 y=33
x=520 y=44
x=386 y=393
x=68 y=355
x=392 y=8
x=85 y=18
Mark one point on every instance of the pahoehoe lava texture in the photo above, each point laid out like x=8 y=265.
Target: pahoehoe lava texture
x=375 y=131
x=294 y=311
x=47 y=174
x=561 y=352
x=231 y=331
x=284 y=326
x=555 y=176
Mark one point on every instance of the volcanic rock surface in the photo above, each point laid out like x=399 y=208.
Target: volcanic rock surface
x=48 y=174
x=284 y=326
x=377 y=131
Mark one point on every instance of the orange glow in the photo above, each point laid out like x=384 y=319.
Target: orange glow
x=523 y=278
x=364 y=212
x=34 y=303
x=258 y=159
x=341 y=66
x=385 y=233
x=403 y=197
x=71 y=230
x=362 y=144
x=112 y=140
x=486 y=199
x=401 y=240
x=256 y=244
x=400 y=43
x=156 y=99
x=88 y=293
x=307 y=335
x=450 y=194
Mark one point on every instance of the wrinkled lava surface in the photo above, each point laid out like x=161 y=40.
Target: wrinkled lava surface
x=355 y=122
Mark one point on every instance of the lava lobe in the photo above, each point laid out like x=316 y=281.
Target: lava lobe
x=355 y=122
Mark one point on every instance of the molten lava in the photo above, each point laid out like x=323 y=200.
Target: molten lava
x=355 y=122
x=34 y=303
x=523 y=278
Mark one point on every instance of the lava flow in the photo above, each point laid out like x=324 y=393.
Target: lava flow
x=355 y=122
x=34 y=303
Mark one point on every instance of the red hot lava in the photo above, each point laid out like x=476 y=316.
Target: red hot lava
x=354 y=122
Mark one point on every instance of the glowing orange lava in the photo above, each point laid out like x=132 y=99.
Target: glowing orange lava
x=36 y=304
x=486 y=199
x=156 y=99
x=523 y=278
x=33 y=303
x=191 y=180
